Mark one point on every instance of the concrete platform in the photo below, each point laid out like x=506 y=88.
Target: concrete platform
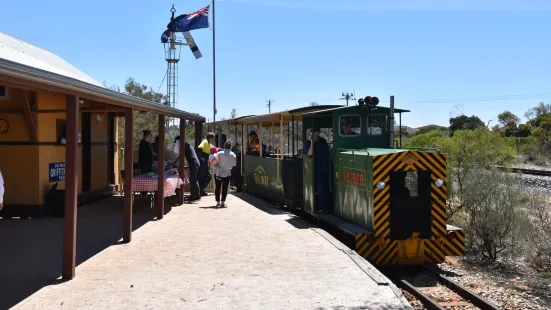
x=250 y=255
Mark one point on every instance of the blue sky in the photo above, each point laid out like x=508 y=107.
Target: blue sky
x=297 y=51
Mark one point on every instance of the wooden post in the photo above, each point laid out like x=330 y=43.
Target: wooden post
x=182 y=170
x=280 y=155
x=161 y=169
x=272 y=136
x=261 y=131
x=128 y=175
x=71 y=189
x=243 y=146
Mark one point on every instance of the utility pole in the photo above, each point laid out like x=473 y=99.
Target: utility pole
x=269 y=105
x=347 y=96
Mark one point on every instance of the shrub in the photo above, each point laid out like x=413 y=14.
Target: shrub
x=492 y=200
x=538 y=207
x=432 y=138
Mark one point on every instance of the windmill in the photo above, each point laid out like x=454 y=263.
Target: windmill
x=172 y=56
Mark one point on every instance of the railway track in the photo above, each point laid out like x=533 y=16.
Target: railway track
x=545 y=173
x=436 y=291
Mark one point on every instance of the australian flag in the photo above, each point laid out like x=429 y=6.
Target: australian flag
x=187 y=22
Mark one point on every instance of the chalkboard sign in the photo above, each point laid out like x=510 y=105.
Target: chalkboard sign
x=57 y=172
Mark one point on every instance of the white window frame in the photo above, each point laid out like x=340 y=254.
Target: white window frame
x=350 y=136
x=367 y=123
x=7 y=95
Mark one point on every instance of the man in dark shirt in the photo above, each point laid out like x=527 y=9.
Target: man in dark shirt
x=319 y=148
x=193 y=166
x=145 y=153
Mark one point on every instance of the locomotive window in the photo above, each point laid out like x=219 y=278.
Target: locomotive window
x=350 y=125
x=411 y=183
x=376 y=125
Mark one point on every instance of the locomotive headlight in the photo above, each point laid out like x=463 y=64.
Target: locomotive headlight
x=381 y=185
x=439 y=182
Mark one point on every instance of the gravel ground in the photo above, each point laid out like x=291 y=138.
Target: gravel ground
x=536 y=184
x=508 y=286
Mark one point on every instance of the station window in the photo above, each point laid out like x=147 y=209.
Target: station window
x=3 y=92
x=377 y=125
x=61 y=131
x=351 y=125
x=411 y=181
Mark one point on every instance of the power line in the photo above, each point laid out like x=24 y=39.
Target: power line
x=488 y=98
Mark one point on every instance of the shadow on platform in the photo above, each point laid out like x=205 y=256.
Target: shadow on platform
x=30 y=258
x=260 y=204
x=272 y=209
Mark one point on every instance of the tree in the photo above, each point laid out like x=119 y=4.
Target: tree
x=508 y=119
x=313 y=104
x=511 y=123
x=543 y=133
x=535 y=114
x=464 y=122
x=233 y=113
x=144 y=120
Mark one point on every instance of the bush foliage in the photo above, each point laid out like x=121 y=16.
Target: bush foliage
x=489 y=204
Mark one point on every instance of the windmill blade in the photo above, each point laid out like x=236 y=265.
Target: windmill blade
x=192 y=45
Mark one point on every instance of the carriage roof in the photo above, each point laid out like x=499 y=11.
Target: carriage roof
x=275 y=117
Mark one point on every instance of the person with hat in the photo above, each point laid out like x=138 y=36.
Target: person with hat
x=193 y=166
x=318 y=148
x=254 y=145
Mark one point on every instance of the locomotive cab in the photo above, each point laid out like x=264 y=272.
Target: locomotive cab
x=392 y=200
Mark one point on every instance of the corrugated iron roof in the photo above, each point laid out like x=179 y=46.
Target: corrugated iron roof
x=22 y=52
x=23 y=61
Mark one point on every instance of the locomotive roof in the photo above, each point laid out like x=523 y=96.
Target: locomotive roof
x=329 y=111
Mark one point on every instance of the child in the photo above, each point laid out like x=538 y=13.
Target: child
x=213 y=151
x=208 y=175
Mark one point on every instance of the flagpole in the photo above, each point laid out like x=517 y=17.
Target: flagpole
x=214 y=71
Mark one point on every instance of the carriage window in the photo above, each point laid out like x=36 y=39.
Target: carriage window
x=376 y=125
x=411 y=183
x=350 y=125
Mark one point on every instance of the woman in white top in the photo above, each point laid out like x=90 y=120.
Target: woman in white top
x=1 y=191
x=225 y=161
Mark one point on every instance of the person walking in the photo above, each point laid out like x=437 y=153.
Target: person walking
x=225 y=160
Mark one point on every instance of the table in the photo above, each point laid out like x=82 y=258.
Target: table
x=148 y=183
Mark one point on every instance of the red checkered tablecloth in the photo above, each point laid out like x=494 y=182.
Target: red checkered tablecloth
x=143 y=183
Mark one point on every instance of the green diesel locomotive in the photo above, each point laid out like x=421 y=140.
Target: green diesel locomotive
x=389 y=201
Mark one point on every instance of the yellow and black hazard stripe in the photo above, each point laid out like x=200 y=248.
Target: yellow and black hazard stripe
x=405 y=161
x=379 y=253
x=455 y=246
